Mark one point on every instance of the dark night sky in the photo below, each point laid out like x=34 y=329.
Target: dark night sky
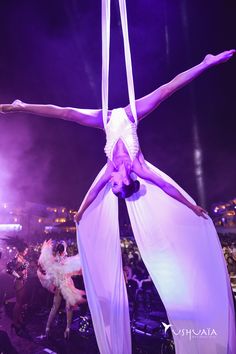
x=50 y=52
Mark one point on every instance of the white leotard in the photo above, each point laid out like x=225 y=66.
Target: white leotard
x=120 y=127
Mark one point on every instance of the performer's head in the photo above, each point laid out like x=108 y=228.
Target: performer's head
x=61 y=248
x=18 y=243
x=126 y=190
x=123 y=186
x=23 y=249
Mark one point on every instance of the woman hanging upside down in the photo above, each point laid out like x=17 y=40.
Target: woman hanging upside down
x=122 y=147
x=176 y=239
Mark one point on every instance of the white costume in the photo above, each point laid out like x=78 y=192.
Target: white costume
x=181 y=251
x=56 y=272
x=120 y=127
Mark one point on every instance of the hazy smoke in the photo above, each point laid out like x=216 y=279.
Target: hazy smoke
x=23 y=168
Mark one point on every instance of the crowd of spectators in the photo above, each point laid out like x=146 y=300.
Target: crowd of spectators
x=133 y=266
x=135 y=272
x=229 y=250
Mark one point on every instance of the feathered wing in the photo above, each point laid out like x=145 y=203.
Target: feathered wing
x=69 y=267
x=46 y=263
x=71 y=294
x=46 y=258
x=72 y=265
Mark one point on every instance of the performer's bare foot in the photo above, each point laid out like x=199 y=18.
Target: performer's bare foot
x=219 y=58
x=14 y=106
x=67 y=333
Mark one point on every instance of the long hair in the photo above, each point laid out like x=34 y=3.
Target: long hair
x=17 y=242
x=60 y=248
x=128 y=190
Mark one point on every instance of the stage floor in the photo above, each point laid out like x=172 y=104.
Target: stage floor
x=84 y=343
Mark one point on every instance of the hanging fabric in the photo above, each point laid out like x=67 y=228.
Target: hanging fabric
x=106 y=18
x=184 y=258
x=183 y=255
x=100 y=253
x=128 y=63
x=181 y=251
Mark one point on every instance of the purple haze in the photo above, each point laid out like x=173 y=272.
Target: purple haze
x=51 y=53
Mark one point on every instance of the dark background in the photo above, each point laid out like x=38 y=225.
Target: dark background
x=50 y=52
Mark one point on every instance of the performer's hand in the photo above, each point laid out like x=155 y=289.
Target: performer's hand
x=82 y=298
x=14 y=106
x=199 y=211
x=211 y=60
x=77 y=217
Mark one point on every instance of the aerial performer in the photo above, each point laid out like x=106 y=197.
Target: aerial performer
x=176 y=238
x=54 y=272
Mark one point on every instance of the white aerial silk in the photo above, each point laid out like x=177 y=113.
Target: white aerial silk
x=100 y=253
x=106 y=17
x=184 y=258
x=128 y=63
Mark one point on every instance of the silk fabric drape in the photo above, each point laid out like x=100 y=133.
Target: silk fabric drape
x=100 y=252
x=106 y=19
x=184 y=258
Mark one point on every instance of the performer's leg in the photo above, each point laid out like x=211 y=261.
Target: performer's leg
x=69 y=314
x=89 y=117
x=148 y=103
x=55 y=307
x=18 y=308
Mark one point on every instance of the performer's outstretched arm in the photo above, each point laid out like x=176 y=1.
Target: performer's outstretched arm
x=144 y=172
x=88 y=117
x=147 y=104
x=93 y=193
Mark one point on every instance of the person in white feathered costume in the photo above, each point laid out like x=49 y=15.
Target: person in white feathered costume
x=54 y=273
